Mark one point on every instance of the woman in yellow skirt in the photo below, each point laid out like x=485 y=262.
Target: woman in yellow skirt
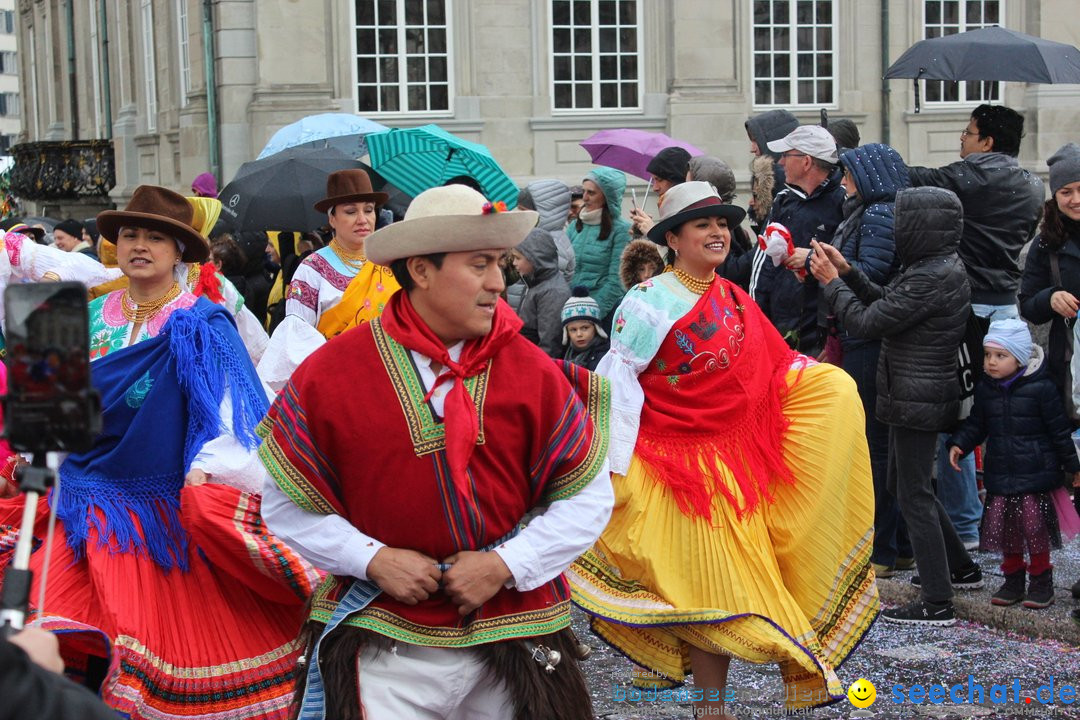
x=744 y=506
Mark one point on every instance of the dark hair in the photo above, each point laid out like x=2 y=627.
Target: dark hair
x=229 y=255
x=605 y=222
x=400 y=269
x=1052 y=232
x=466 y=181
x=1004 y=125
x=824 y=165
x=525 y=199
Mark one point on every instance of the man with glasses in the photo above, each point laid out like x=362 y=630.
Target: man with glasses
x=1001 y=203
x=810 y=207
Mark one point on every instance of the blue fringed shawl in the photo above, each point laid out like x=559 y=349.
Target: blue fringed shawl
x=161 y=401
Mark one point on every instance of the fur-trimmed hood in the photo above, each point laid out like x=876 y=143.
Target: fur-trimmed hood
x=763 y=182
x=635 y=256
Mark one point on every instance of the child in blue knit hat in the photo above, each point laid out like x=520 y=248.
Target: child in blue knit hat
x=1019 y=413
x=584 y=339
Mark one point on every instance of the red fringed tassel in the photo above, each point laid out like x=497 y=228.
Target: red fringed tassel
x=208 y=286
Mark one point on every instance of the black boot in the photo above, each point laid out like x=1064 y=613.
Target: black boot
x=1040 y=592
x=1012 y=591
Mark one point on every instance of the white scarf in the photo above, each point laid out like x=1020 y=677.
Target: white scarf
x=590 y=217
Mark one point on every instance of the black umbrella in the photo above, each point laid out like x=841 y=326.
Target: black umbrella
x=279 y=191
x=988 y=54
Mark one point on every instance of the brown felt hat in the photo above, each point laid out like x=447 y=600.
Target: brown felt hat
x=158 y=208
x=349 y=186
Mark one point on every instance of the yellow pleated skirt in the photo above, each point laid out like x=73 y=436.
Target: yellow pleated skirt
x=791 y=584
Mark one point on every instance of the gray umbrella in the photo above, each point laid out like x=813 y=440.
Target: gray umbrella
x=988 y=54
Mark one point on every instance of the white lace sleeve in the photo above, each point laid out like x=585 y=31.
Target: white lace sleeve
x=642 y=321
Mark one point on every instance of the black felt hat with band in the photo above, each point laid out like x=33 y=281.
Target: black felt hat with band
x=689 y=201
x=161 y=209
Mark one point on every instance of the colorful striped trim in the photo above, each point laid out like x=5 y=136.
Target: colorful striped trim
x=599 y=411
x=272 y=557
x=287 y=423
x=506 y=627
x=427 y=432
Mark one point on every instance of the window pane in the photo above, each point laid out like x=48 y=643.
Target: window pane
x=367 y=97
x=824 y=38
x=436 y=12
x=824 y=12
x=628 y=40
x=365 y=70
x=417 y=98
x=414 y=41
x=933 y=12
x=609 y=67
x=627 y=12
x=608 y=11
x=628 y=67
x=781 y=66
x=365 y=42
x=439 y=97
x=824 y=65
x=560 y=12
x=582 y=13
x=414 y=12
x=781 y=14
x=387 y=12
x=436 y=41
x=993 y=11
x=609 y=95
x=805 y=64
x=583 y=95
x=608 y=40
x=824 y=92
x=974 y=11
x=562 y=67
x=782 y=93
x=388 y=100
x=388 y=72
x=583 y=40
x=761 y=12
x=387 y=42
x=762 y=66
x=951 y=13
x=762 y=96
x=560 y=41
x=563 y=95
x=806 y=92
x=365 y=12
x=781 y=39
x=437 y=69
x=583 y=68
x=762 y=39
x=629 y=95
x=804 y=12
x=416 y=69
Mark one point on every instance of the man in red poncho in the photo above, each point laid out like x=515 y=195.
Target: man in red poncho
x=403 y=458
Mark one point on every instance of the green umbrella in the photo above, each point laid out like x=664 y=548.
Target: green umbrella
x=417 y=159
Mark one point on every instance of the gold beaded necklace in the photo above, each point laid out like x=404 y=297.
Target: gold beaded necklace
x=691 y=283
x=353 y=259
x=140 y=313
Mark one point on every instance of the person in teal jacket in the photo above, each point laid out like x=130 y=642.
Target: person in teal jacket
x=598 y=237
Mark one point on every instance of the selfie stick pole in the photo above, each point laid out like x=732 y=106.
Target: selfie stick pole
x=34 y=481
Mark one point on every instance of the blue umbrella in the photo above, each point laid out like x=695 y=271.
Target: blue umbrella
x=340 y=131
x=420 y=158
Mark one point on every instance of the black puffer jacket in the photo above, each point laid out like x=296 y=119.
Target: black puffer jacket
x=920 y=315
x=1025 y=429
x=1037 y=286
x=1001 y=209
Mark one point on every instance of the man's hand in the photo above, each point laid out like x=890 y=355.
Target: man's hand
x=954 y=457
x=1064 y=304
x=641 y=220
x=797 y=259
x=474 y=578
x=41 y=646
x=405 y=575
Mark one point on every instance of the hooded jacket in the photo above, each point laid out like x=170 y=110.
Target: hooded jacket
x=1001 y=210
x=551 y=198
x=865 y=237
x=546 y=293
x=597 y=260
x=769 y=126
x=1026 y=431
x=635 y=257
x=920 y=315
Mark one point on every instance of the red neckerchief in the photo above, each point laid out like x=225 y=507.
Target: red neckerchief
x=404 y=325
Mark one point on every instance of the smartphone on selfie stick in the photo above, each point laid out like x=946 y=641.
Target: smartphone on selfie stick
x=50 y=406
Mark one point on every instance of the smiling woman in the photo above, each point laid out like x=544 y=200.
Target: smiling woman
x=736 y=457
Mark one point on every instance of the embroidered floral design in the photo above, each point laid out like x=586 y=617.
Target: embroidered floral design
x=684 y=343
x=673 y=380
x=139 y=390
x=703 y=328
x=620 y=322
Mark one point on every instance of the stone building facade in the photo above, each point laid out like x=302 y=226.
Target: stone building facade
x=529 y=78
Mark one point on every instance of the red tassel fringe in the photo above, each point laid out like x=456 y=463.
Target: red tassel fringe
x=208 y=286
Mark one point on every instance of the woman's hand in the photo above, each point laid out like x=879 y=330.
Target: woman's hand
x=641 y=220
x=196 y=476
x=835 y=257
x=821 y=266
x=955 y=454
x=1064 y=304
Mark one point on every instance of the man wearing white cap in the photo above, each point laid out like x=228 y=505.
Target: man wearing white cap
x=403 y=457
x=809 y=208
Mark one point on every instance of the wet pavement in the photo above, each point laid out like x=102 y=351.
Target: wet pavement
x=903 y=656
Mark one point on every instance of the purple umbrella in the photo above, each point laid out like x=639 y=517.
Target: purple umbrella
x=631 y=150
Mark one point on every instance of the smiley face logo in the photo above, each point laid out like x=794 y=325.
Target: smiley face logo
x=862 y=693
